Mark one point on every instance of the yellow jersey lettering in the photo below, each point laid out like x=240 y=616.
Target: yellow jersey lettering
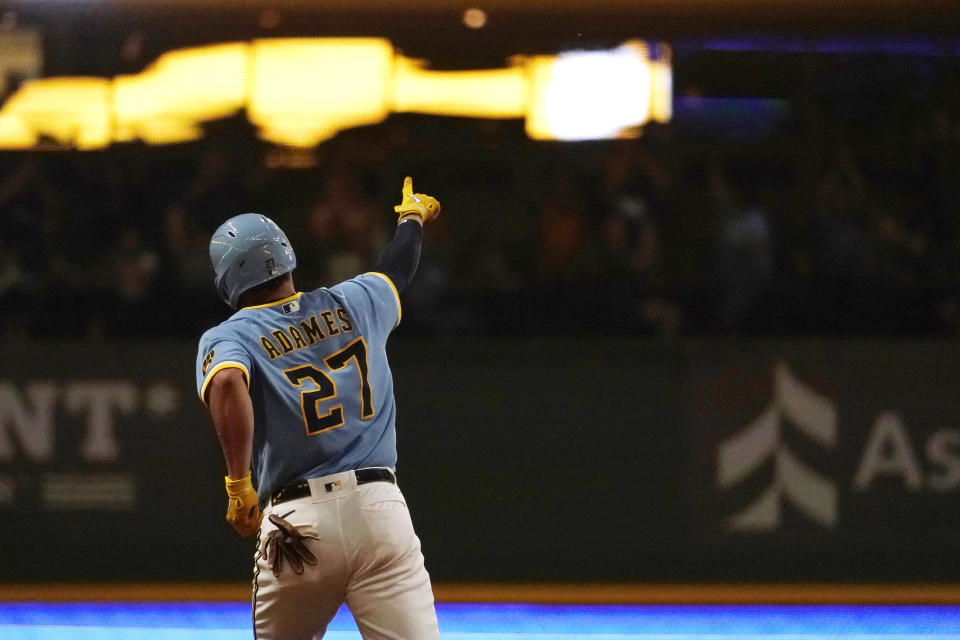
x=298 y=340
x=312 y=330
x=269 y=347
x=344 y=319
x=284 y=341
x=328 y=320
x=308 y=333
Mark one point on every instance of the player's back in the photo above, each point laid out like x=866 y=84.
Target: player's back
x=319 y=379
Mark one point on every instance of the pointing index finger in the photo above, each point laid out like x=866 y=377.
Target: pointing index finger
x=408 y=186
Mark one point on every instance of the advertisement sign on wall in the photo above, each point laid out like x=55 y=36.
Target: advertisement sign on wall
x=843 y=451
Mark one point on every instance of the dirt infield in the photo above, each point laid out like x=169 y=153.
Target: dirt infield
x=557 y=593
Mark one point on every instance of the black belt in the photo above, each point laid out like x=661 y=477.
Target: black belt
x=373 y=474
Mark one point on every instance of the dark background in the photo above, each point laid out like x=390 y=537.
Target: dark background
x=572 y=305
x=544 y=459
x=807 y=185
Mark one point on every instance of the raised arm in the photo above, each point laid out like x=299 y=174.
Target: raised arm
x=401 y=257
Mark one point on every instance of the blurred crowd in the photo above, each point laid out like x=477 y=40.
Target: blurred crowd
x=834 y=223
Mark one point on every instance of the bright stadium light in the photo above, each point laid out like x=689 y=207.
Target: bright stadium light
x=299 y=92
x=590 y=95
x=488 y=93
x=304 y=90
x=661 y=87
x=68 y=111
x=168 y=100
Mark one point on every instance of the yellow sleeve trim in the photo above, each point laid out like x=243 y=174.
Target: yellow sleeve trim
x=396 y=294
x=227 y=364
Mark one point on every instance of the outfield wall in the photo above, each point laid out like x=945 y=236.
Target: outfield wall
x=522 y=460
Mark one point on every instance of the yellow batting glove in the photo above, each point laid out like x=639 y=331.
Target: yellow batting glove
x=243 y=510
x=419 y=204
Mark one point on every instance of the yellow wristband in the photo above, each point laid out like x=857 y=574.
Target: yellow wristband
x=236 y=487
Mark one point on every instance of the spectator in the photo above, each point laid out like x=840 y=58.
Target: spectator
x=843 y=260
x=131 y=281
x=744 y=267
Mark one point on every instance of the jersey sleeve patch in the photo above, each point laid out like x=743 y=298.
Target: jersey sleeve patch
x=207 y=361
x=217 y=351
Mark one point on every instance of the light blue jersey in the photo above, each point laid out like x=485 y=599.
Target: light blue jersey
x=316 y=366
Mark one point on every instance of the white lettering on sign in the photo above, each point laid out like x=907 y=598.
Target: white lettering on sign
x=100 y=400
x=891 y=458
x=27 y=418
x=888 y=452
x=28 y=414
x=943 y=452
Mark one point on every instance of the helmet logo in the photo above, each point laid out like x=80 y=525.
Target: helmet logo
x=270 y=266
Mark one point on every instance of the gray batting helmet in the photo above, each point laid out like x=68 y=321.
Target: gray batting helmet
x=248 y=250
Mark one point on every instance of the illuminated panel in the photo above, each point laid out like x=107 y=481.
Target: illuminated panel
x=70 y=111
x=169 y=100
x=306 y=90
x=590 y=95
x=489 y=93
x=661 y=87
x=302 y=91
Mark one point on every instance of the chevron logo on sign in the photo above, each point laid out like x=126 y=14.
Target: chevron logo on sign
x=796 y=406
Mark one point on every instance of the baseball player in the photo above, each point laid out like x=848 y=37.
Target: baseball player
x=299 y=390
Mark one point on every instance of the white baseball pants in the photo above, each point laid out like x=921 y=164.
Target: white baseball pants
x=367 y=556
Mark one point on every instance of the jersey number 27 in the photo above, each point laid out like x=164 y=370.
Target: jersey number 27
x=310 y=399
